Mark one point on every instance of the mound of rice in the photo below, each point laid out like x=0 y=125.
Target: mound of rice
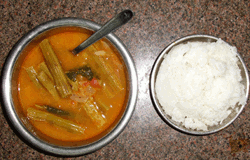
x=198 y=83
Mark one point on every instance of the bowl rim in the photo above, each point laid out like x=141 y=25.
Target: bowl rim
x=152 y=80
x=8 y=105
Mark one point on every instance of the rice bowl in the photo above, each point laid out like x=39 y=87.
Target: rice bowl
x=186 y=126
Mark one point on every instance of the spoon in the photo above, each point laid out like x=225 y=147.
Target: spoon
x=117 y=21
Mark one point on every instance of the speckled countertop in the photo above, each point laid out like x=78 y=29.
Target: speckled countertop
x=156 y=23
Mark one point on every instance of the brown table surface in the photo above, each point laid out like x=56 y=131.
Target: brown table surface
x=156 y=23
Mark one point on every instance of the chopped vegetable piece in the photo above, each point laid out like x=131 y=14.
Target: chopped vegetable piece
x=114 y=59
x=48 y=84
x=94 y=83
x=108 y=91
x=84 y=83
x=100 y=53
x=85 y=92
x=55 y=68
x=73 y=84
x=94 y=113
x=101 y=104
x=53 y=110
x=39 y=115
x=114 y=81
x=77 y=98
x=33 y=76
x=72 y=75
x=103 y=68
x=85 y=71
x=99 y=47
x=43 y=67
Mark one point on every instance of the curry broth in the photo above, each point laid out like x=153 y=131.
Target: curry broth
x=62 y=42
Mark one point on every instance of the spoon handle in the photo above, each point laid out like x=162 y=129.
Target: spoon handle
x=110 y=26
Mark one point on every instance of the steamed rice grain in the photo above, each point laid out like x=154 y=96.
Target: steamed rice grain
x=199 y=83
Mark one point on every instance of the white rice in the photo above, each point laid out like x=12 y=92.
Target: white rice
x=198 y=83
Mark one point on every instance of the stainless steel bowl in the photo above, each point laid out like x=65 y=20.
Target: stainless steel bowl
x=9 y=89
x=167 y=118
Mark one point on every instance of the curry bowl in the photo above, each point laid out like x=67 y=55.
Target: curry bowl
x=159 y=107
x=32 y=85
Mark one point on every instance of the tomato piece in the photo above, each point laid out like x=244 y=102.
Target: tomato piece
x=94 y=83
x=85 y=84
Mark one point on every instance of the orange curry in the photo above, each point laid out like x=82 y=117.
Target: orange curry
x=70 y=97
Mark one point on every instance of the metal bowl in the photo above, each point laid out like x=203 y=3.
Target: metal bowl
x=167 y=118
x=9 y=90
